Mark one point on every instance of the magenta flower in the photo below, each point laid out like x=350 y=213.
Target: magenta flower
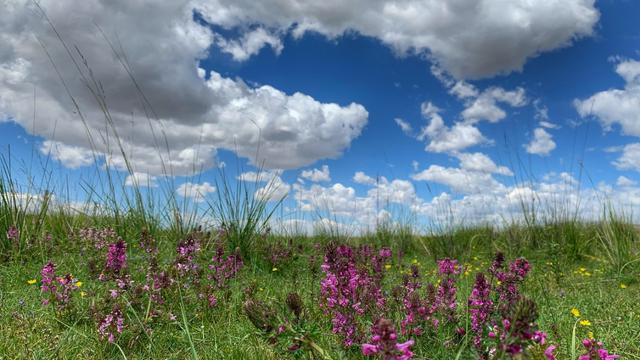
x=549 y=352
x=384 y=343
x=480 y=307
x=13 y=234
x=111 y=324
x=595 y=351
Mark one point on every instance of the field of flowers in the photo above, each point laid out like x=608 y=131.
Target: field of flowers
x=81 y=289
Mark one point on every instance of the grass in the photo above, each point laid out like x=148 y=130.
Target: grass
x=29 y=330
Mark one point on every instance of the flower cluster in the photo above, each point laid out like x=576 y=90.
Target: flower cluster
x=384 y=343
x=187 y=251
x=58 y=290
x=111 y=324
x=352 y=287
x=98 y=238
x=223 y=269
x=417 y=309
x=448 y=270
x=480 y=307
x=13 y=234
x=595 y=351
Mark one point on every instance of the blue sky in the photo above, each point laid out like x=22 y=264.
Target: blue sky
x=504 y=104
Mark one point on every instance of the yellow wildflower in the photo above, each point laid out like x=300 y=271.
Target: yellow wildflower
x=32 y=281
x=587 y=274
x=575 y=312
x=78 y=283
x=274 y=269
x=414 y=261
x=387 y=266
x=83 y=294
x=499 y=282
x=590 y=335
x=585 y=322
x=623 y=286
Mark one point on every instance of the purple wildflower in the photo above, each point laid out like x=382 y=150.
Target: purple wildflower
x=111 y=324
x=480 y=307
x=384 y=343
x=595 y=351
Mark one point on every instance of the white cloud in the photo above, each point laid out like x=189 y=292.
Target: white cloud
x=197 y=192
x=362 y=178
x=443 y=139
x=625 y=181
x=72 y=157
x=630 y=158
x=485 y=107
x=469 y=40
x=250 y=44
x=275 y=189
x=140 y=180
x=482 y=163
x=317 y=175
x=617 y=106
x=541 y=144
x=404 y=126
x=460 y=180
x=194 y=112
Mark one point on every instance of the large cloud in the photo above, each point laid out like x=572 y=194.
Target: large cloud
x=185 y=114
x=470 y=39
x=617 y=106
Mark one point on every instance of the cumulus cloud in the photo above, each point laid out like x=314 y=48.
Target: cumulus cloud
x=317 y=175
x=630 y=158
x=617 y=106
x=460 y=180
x=364 y=211
x=362 y=178
x=498 y=36
x=541 y=144
x=275 y=189
x=194 y=191
x=140 y=180
x=250 y=44
x=72 y=157
x=485 y=106
x=625 y=181
x=443 y=139
x=481 y=163
x=194 y=111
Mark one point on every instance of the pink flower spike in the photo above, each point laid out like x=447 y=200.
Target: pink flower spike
x=548 y=353
x=368 y=349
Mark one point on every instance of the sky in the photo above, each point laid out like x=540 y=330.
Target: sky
x=358 y=112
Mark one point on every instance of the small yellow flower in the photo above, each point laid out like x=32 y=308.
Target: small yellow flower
x=587 y=274
x=499 y=282
x=575 y=312
x=466 y=273
x=590 y=335
x=83 y=294
x=475 y=258
x=585 y=322
x=260 y=289
x=414 y=261
x=583 y=269
x=623 y=286
x=274 y=269
x=32 y=281
x=78 y=283
x=387 y=266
